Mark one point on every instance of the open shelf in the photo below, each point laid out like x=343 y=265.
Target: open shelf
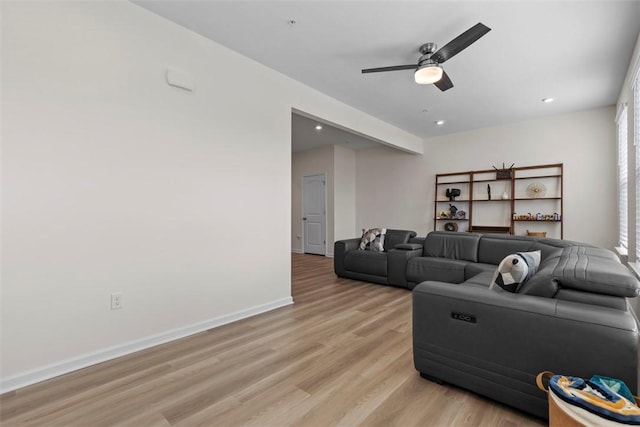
x=475 y=186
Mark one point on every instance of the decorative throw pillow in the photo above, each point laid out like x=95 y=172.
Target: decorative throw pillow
x=378 y=244
x=369 y=238
x=514 y=271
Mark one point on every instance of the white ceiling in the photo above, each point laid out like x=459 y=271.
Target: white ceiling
x=575 y=51
x=305 y=136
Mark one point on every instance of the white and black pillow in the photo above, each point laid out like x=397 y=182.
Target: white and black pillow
x=514 y=271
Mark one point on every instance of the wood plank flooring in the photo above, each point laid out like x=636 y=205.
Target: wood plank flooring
x=340 y=356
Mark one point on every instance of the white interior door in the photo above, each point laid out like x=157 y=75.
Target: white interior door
x=314 y=215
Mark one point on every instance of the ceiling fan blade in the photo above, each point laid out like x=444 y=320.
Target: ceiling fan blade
x=444 y=83
x=460 y=43
x=392 y=68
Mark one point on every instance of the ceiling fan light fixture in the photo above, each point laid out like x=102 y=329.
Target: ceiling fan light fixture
x=428 y=74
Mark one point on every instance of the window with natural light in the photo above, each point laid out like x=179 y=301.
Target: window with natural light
x=622 y=177
x=636 y=138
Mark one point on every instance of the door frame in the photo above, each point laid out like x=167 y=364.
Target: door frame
x=324 y=174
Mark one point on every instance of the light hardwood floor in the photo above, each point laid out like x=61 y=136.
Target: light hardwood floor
x=340 y=356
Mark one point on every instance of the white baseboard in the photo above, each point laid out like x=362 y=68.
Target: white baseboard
x=47 y=372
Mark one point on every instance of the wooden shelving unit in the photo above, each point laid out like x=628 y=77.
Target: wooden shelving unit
x=508 y=209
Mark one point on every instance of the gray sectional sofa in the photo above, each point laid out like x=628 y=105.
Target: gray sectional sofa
x=574 y=316
x=369 y=266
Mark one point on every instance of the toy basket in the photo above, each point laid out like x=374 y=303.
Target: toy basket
x=536 y=233
x=563 y=414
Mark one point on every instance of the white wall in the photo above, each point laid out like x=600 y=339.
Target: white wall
x=344 y=170
x=397 y=189
x=392 y=190
x=115 y=181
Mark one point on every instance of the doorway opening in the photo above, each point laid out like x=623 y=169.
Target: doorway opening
x=314 y=214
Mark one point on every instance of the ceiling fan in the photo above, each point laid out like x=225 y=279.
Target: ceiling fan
x=428 y=69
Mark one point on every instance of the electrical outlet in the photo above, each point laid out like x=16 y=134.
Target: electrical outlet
x=116 y=300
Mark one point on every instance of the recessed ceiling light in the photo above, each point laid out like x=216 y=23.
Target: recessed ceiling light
x=548 y=100
x=440 y=122
x=292 y=22
x=318 y=127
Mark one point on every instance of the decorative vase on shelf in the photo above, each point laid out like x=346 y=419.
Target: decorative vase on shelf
x=505 y=196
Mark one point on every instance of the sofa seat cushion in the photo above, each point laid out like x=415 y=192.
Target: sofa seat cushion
x=367 y=262
x=493 y=249
x=474 y=268
x=482 y=279
x=420 y=269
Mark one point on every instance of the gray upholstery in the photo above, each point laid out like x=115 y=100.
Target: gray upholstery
x=474 y=268
x=420 y=269
x=513 y=338
x=409 y=246
x=543 y=283
x=352 y=263
x=593 y=271
x=493 y=248
x=571 y=317
x=481 y=279
x=340 y=249
x=398 y=259
x=567 y=294
x=396 y=237
x=445 y=244
x=367 y=262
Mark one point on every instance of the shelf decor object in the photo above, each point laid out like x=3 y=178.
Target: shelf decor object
x=536 y=190
x=452 y=194
x=451 y=226
x=504 y=173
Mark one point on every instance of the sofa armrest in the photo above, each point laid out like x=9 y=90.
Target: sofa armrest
x=340 y=249
x=408 y=246
x=418 y=240
x=491 y=333
x=397 y=263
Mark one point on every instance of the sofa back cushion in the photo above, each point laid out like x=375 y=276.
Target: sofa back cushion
x=543 y=283
x=452 y=245
x=395 y=237
x=420 y=269
x=493 y=249
x=552 y=247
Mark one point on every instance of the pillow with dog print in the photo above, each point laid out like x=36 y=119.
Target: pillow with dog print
x=514 y=271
